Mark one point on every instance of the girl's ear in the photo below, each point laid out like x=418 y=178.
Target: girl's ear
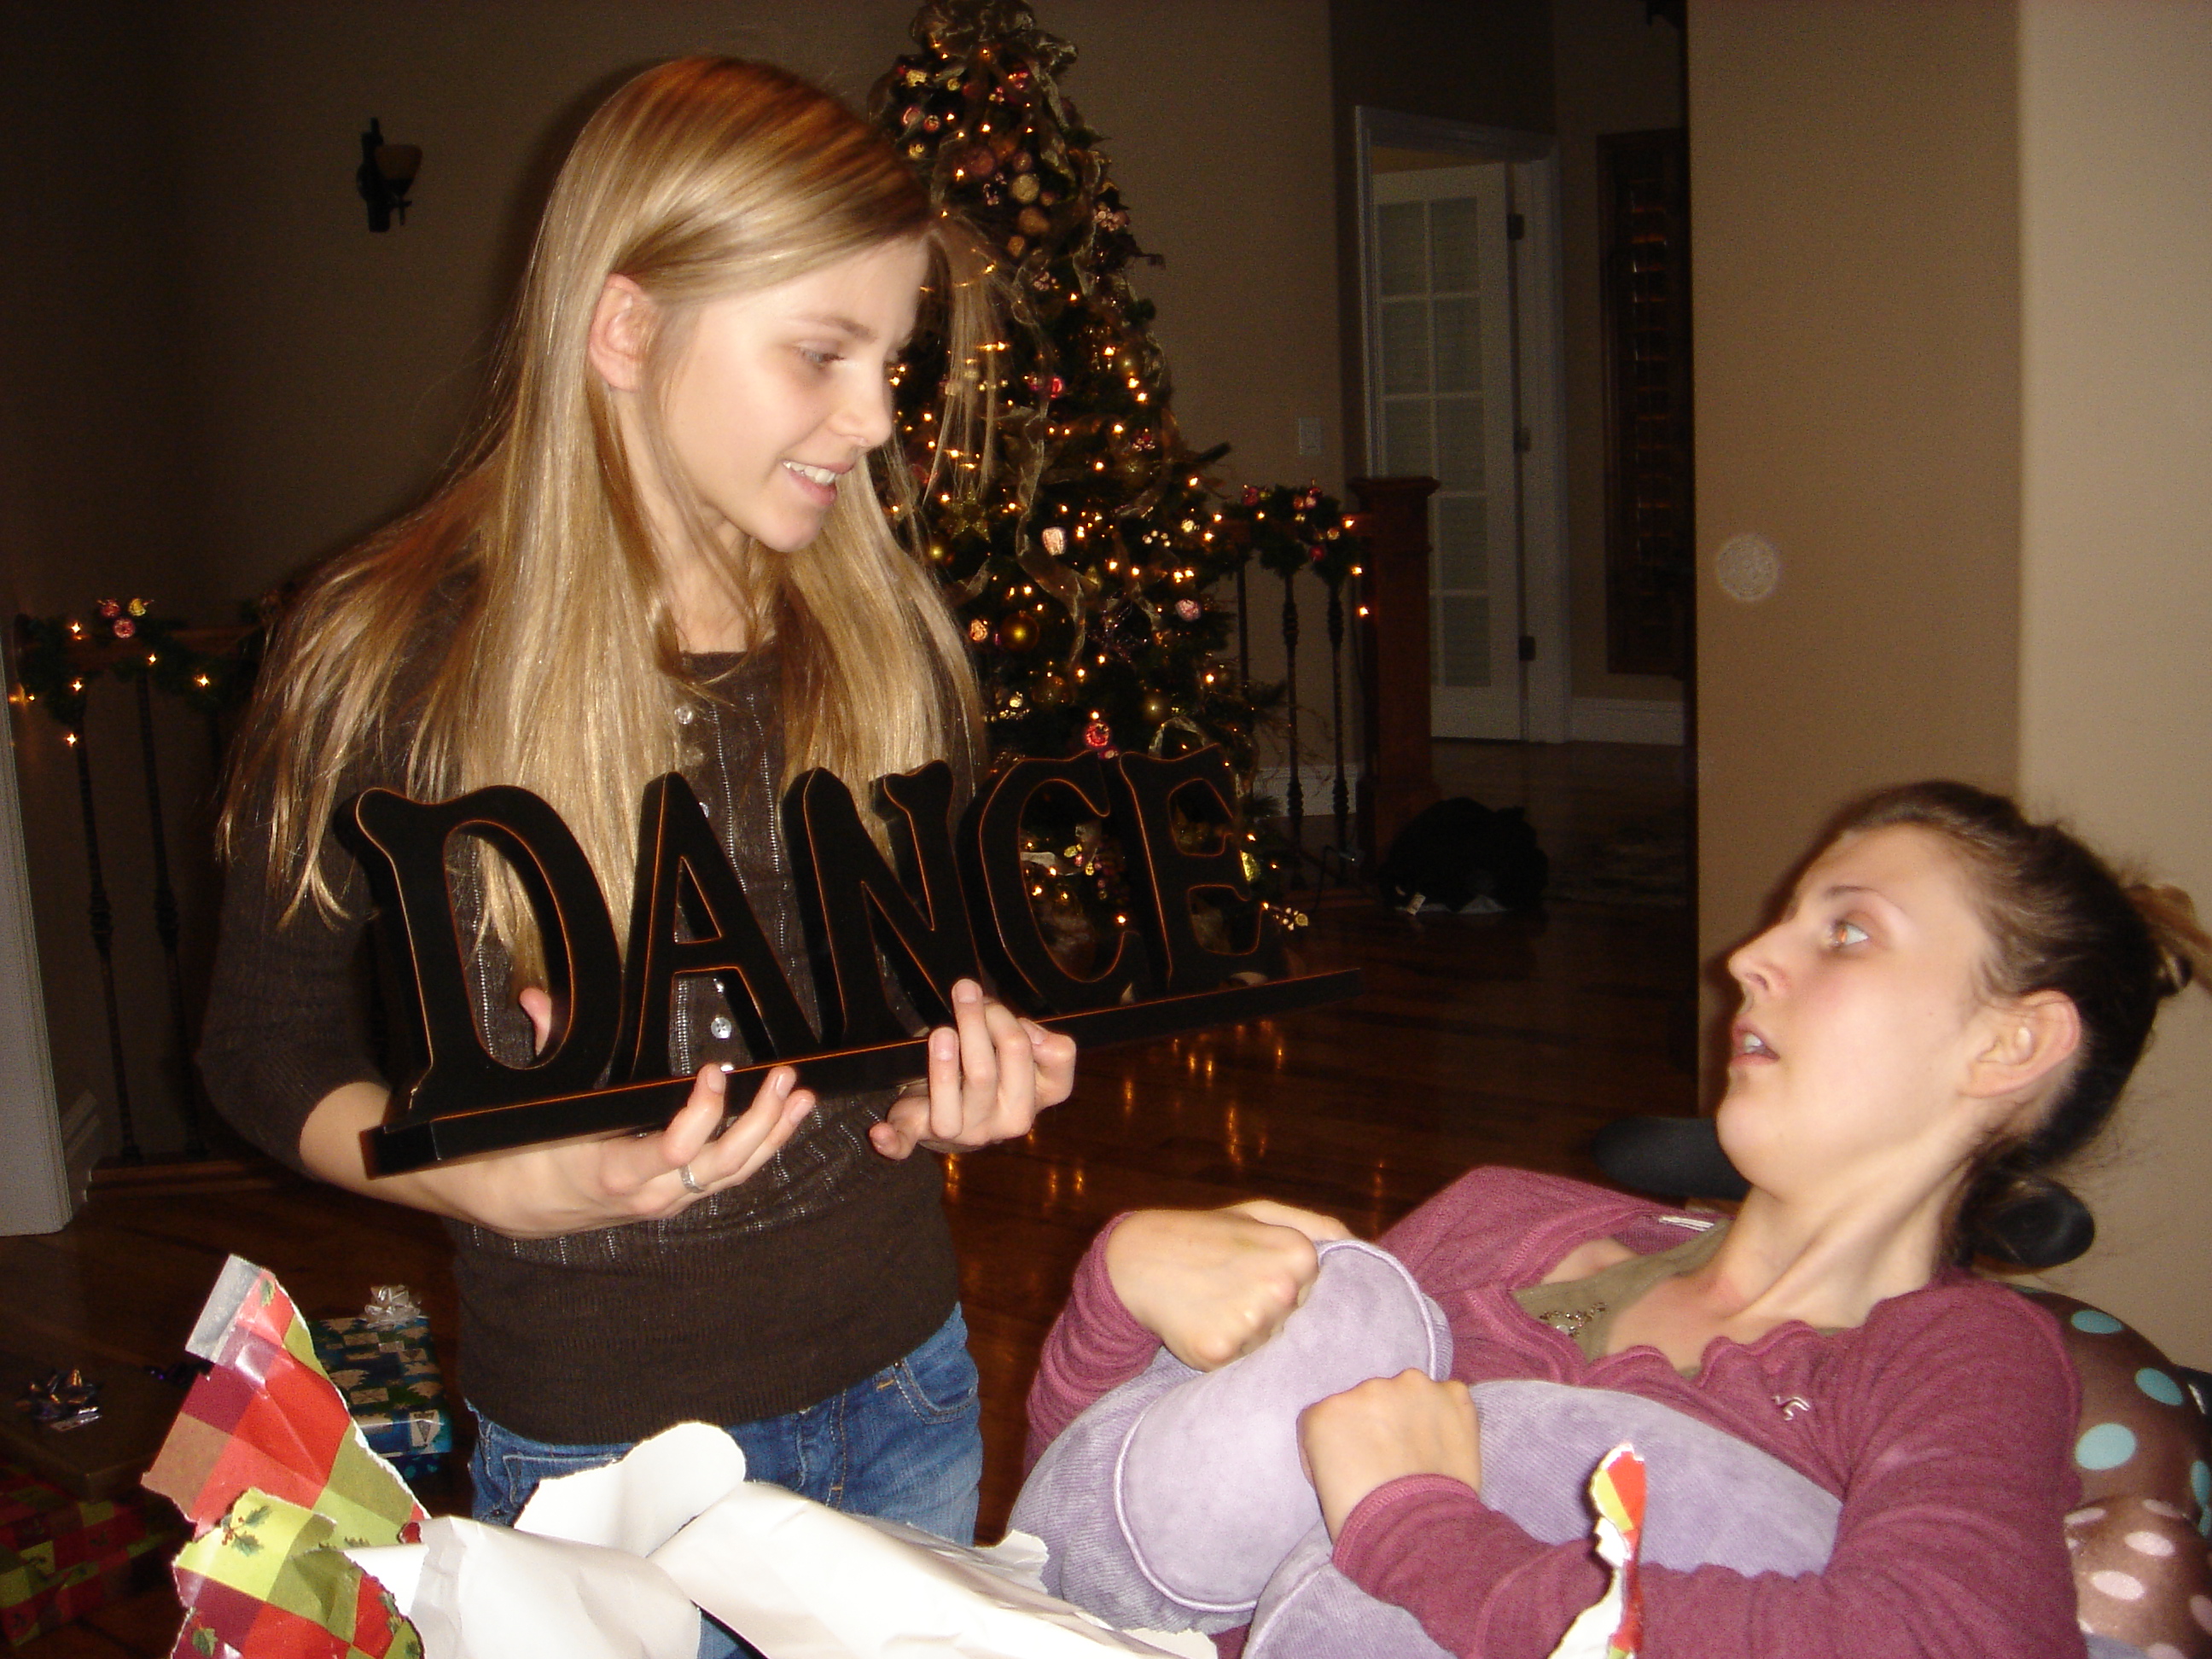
x=2026 y=1042
x=622 y=331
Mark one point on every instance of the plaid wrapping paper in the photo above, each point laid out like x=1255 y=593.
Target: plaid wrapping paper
x=267 y=1583
x=62 y=1556
x=277 y=1479
x=390 y=1385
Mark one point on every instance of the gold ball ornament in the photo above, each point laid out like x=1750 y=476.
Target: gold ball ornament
x=1156 y=708
x=1024 y=187
x=1019 y=632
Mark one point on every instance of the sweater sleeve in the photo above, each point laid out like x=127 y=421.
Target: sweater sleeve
x=287 y=1019
x=1094 y=1346
x=1958 y=1422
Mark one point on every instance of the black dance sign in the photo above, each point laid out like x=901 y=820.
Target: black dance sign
x=948 y=905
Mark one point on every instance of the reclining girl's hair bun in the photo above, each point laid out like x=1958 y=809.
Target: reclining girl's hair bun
x=2027 y=1221
x=2185 y=949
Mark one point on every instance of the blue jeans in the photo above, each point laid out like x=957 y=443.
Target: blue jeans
x=905 y=1444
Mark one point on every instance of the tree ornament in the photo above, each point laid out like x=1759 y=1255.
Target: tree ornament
x=1024 y=187
x=1156 y=708
x=978 y=631
x=1190 y=610
x=1054 y=539
x=1017 y=632
x=1033 y=223
x=1098 y=735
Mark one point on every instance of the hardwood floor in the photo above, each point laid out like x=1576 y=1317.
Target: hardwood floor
x=1499 y=1039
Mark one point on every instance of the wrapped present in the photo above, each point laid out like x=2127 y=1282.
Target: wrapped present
x=62 y=1556
x=381 y=1362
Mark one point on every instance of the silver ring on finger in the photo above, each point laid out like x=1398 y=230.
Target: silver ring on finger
x=691 y=1184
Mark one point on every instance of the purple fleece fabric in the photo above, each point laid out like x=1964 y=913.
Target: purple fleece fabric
x=1169 y=1503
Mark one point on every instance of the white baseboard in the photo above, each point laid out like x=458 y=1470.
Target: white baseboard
x=1623 y=720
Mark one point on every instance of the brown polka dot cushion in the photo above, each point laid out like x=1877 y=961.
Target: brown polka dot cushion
x=2140 y=1537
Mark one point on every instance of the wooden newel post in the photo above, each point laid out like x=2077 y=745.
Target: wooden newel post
x=1394 y=776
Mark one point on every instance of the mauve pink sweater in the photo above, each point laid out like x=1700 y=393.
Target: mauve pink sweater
x=1945 y=1424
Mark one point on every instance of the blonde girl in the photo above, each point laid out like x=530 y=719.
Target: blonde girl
x=663 y=553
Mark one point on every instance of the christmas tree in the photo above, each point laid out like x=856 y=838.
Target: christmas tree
x=1094 y=566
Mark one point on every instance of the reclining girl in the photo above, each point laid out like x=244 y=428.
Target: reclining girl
x=1950 y=1004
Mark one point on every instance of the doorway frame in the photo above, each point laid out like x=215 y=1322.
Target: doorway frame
x=1539 y=354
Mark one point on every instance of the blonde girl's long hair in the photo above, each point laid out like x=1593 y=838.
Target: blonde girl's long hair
x=559 y=667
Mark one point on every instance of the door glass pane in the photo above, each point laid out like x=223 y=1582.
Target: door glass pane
x=1398 y=247
x=1406 y=450
x=1455 y=269
x=1463 y=653
x=1405 y=346
x=1459 y=442
x=1462 y=543
x=1459 y=343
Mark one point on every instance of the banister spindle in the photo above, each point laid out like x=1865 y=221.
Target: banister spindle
x=1339 y=795
x=165 y=927
x=1295 y=795
x=102 y=915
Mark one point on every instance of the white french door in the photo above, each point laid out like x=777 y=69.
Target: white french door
x=1441 y=367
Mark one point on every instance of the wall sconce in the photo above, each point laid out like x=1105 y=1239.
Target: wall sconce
x=386 y=172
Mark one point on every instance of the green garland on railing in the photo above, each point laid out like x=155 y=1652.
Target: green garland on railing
x=207 y=682
x=1293 y=529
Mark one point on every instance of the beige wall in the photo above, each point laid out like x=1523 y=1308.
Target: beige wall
x=1956 y=360
x=2115 y=652
x=1856 y=309
x=1225 y=175
x=1613 y=69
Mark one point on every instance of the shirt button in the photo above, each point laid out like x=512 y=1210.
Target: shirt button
x=722 y=1026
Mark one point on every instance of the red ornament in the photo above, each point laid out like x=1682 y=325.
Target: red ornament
x=1098 y=735
x=1251 y=495
x=1188 y=610
x=125 y=627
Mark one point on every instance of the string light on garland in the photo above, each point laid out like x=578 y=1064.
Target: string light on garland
x=59 y=657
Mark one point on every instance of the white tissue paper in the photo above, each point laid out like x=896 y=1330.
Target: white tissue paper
x=616 y=1563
